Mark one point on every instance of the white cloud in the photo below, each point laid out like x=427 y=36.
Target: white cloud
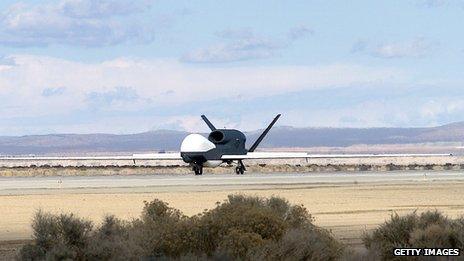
x=440 y=3
x=417 y=47
x=299 y=32
x=239 y=50
x=47 y=92
x=160 y=83
x=102 y=8
x=73 y=22
x=192 y=123
x=118 y=97
x=6 y=60
x=436 y=108
x=238 y=33
x=244 y=44
x=129 y=95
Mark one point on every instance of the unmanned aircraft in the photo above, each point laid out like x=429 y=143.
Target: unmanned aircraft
x=221 y=146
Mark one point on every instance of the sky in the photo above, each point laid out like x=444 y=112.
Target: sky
x=116 y=66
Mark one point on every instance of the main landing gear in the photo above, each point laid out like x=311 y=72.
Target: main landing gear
x=240 y=169
x=198 y=169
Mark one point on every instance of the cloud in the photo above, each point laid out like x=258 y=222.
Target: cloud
x=114 y=97
x=240 y=33
x=102 y=8
x=191 y=123
x=440 y=3
x=128 y=95
x=367 y=108
x=417 y=47
x=143 y=91
x=243 y=44
x=6 y=60
x=432 y=3
x=239 y=50
x=300 y=32
x=74 y=22
x=48 y=92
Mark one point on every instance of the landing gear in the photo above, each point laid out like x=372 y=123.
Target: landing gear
x=240 y=169
x=198 y=169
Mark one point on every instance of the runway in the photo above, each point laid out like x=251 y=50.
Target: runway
x=10 y=185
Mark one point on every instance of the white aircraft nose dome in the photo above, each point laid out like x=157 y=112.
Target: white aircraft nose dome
x=196 y=143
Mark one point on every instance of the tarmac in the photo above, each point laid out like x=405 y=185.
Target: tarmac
x=23 y=185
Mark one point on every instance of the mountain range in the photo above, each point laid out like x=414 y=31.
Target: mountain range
x=279 y=137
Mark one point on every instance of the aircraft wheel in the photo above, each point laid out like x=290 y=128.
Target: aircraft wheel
x=239 y=170
x=198 y=170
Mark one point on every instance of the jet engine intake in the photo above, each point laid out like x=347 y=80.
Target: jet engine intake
x=217 y=136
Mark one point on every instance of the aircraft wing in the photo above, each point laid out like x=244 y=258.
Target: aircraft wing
x=267 y=155
x=301 y=155
x=158 y=156
x=151 y=156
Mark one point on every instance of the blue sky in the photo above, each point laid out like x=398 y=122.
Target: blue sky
x=83 y=66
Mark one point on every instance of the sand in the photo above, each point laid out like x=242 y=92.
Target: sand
x=347 y=209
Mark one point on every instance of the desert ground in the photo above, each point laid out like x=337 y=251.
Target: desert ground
x=346 y=204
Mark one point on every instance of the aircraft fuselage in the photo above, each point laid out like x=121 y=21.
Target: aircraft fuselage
x=197 y=149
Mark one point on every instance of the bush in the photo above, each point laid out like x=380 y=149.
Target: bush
x=57 y=237
x=241 y=227
x=112 y=241
x=302 y=244
x=430 y=229
x=164 y=231
x=266 y=218
x=237 y=244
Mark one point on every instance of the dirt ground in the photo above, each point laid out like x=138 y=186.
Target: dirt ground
x=347 y=210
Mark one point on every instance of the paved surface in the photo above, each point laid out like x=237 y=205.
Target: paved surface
x=10 y=184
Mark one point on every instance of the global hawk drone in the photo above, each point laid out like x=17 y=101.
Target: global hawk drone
x=221 y=146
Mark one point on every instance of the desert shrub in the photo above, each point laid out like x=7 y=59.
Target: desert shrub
x=237 y=244
x=164 y=231
x=364 y=167
x=241 y=227
x=427 y=230
x=31 y=252
x=158 y=210
x=429 y=166
x=112 y=241
x=56 y=237
x=448 y=166
x=306 y=243
x=268 y=218
x=392 y=167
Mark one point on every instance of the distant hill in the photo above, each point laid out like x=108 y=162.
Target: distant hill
x=279 y=137
x=310 y=137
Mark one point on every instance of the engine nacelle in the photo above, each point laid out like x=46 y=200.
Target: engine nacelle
x=224 y=136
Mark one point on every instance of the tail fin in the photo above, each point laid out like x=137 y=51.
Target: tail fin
x=255 y=145
x=210 y=125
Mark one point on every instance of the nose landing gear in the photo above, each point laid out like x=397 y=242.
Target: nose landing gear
x=240 y=169
x=198 y=169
